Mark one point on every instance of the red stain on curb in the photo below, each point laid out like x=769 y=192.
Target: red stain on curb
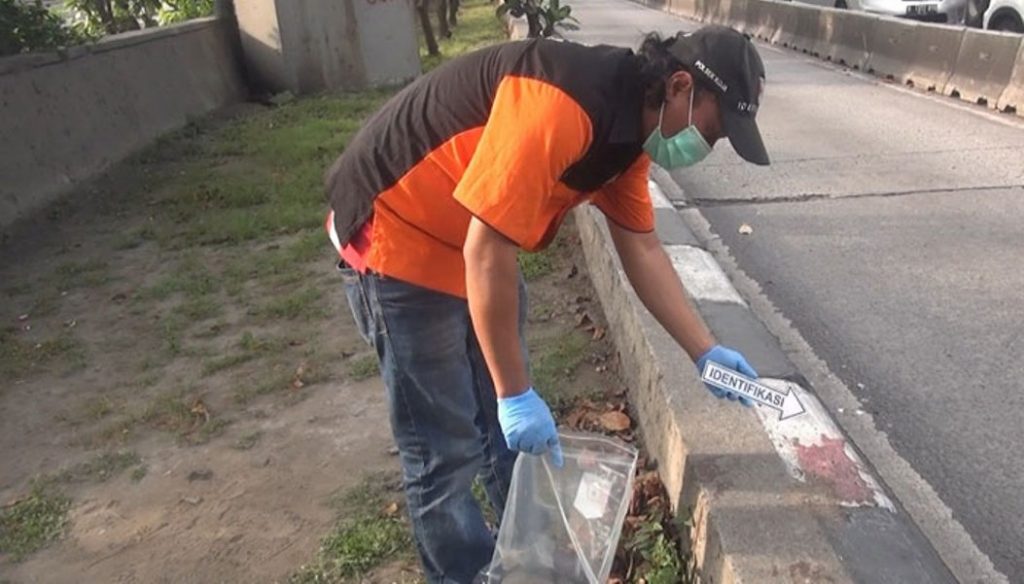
x=829 y=462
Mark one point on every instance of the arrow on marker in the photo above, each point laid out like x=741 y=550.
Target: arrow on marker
x=787 y=403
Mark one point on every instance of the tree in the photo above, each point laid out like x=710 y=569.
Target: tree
x=541 y=19
x=31 y=27
x=103 y=17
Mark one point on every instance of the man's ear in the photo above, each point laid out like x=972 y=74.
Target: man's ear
x=678 y=85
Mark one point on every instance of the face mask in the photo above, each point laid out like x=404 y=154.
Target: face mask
x=686 y=148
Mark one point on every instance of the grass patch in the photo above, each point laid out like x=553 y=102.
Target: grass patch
x=372 y=531
x=139 y=473
x=99 y=407
x=478 y=27
x=100 y=468
x=199 y=309
x=191 y=278
x=29 y=524
x=480 y=494
x=248 y=441
x=88 y=274
x=45 y=302
x=301 y=304
x=536 y=265
x=278 y=379
x=364 y=368
x=250 y=348
x=208 y=431
x=556 y=360
x=19 y=357
x=174 y=412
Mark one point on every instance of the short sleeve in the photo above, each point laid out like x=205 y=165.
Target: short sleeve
x=627 y=199
x=535 y=131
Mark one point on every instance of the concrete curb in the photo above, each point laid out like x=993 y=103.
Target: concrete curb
x=771 y=501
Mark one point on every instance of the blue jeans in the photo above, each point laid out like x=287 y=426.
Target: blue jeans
x=444 y=417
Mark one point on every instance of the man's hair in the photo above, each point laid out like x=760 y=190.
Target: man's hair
x=657 y=64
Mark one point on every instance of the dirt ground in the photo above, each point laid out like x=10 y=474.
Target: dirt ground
x=201 y=434
x=184 y=396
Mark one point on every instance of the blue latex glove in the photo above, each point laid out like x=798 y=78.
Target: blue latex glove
x=528 y=426
x=730 y=359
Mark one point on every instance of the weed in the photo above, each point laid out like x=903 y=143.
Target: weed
x=139 y=473
x=199 y=309
x=82 y=274
x=364 y=368
x=480 y=494
x=32 y=522
x=208 y=431
x=535 y=265
x=19 y=358
x=251 y=348
x=370 y=533
x=248 y=441
x=557 y=359
x=100 y=468
x=303 y=304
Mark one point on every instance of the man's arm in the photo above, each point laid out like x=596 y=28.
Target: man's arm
x=492 y=288
x=651 y=273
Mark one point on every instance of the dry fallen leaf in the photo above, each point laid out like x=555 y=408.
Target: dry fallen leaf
x=746 y=229
x=297 y=382
x=583 y=320
x=392 y=509
x=615 y=421
x=199 y=409
x=599 y=333
x=576 y=417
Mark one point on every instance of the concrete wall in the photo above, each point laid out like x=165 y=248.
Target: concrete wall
x=306 y=46
x=66 y=117
x=262 y=44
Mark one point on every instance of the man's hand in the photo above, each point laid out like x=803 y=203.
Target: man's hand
x=729 y=359
x=528 y=425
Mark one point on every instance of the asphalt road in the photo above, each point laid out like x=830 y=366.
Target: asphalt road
x=889 y=232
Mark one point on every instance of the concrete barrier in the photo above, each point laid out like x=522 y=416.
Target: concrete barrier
x=785 y=16
x=979 y=66
x=984 y=66
x=726 y=12
x=1012 y=98
x=760 y=20
x=891 y=46
x=684 y=8
x=134 y=87
x=775 y=20
x=809 y=36
x=935 y=53
x=848 y=37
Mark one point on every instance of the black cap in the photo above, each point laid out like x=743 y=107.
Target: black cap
x=729 y=63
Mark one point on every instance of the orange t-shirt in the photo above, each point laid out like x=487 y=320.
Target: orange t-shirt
x=513 y=172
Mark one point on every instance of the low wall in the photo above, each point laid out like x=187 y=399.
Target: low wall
x=65 y=117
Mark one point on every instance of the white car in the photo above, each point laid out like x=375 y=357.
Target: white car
x=1007 y=15
x=932 y=10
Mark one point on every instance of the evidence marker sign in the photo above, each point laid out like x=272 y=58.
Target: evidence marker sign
x=786 y=402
